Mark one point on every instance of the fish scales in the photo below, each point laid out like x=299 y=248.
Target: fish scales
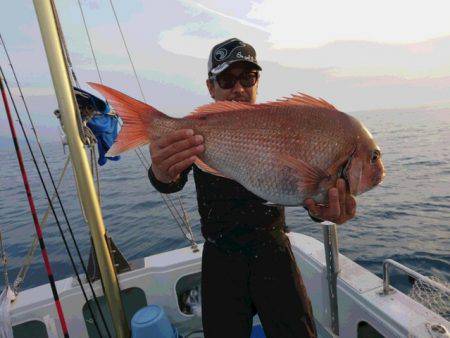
x=247 y=145
x=284 y=151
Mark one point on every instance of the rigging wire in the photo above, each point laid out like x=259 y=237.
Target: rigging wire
x=175 y=213
x=20 y=278
x=90 y=41
x=171 y=206
x=142 y=158
x=51 y=204
x=64 y=45
x=95 y=172
x=128 y=52
x=33 y=209
x=4 y=262
x=184 y=219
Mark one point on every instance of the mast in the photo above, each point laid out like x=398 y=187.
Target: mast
x=84 y=181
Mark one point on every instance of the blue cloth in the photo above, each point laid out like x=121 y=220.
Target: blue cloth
x=103 y=125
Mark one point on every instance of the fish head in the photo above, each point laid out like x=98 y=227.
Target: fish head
x=364 y=169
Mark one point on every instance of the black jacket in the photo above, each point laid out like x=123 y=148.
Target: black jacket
x=226 y=208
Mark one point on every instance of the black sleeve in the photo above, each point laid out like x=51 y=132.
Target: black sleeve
x=168 y=188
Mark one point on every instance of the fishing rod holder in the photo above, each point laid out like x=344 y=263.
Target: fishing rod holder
x=330 y=241
x=410 y=272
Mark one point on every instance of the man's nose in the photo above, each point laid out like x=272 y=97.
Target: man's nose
x=238 y=87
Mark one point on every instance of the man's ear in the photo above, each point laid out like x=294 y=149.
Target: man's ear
x=210 y=85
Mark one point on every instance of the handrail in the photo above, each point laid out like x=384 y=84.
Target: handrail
x=410 y=272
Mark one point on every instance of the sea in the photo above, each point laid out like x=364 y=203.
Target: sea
x=406 y=218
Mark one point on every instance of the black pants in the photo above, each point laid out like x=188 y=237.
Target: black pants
x=237 y=284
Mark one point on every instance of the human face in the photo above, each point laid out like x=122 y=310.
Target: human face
x=236 y=93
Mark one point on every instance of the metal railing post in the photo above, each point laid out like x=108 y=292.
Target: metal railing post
x=330 y=241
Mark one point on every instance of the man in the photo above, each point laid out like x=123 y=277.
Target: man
x=247 y=265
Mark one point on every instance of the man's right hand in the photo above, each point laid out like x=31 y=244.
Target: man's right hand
x=171 y=154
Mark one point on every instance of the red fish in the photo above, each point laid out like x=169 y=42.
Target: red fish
x=283 y=151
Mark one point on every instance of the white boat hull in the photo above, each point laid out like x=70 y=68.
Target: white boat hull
x=362 y=305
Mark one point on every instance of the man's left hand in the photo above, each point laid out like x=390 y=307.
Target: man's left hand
x=341 y=205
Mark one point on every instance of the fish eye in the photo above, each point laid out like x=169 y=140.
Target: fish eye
x=376 y=154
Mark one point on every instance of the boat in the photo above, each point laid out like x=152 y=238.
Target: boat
x=348 y=300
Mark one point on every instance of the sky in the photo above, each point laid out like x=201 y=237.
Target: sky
x=358 y=55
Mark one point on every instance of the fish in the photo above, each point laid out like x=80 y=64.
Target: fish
x=284 y=151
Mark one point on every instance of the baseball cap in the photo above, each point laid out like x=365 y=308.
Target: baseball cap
x=228 y=52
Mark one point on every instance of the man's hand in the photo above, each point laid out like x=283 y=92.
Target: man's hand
x=341 y=205
x=173 y=153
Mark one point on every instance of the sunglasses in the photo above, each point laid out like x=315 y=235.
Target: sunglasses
x=228 y=81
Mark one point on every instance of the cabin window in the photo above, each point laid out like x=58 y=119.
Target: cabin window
x=365 y=330
x=33 y=328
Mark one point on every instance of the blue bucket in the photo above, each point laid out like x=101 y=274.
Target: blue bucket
x=151 y=321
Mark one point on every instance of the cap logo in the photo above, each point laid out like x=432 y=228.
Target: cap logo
x=220 y=54
x=246 y=57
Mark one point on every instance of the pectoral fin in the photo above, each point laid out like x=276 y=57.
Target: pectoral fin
x=309 y=177
x=206 y=168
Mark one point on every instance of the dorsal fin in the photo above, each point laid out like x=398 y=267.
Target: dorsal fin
x=305 y=100
x=298 y=99
x=222 y=106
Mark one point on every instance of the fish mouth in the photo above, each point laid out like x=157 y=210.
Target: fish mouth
x=378 y=179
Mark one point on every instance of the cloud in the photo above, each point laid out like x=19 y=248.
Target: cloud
x=429 y=58
x=300 y=24
x=170 y=45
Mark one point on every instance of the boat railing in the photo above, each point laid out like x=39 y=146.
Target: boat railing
x=410 y=272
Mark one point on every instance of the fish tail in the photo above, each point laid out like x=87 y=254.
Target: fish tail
x=138 y=119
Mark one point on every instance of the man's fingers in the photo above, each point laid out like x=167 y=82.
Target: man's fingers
x=333 y=202
x=174 y=152
x=173 y=137
x=341 y=187
x=178 y=167
x=178 y=147
x=350 y=205
x=311 y=206
x=182 y=155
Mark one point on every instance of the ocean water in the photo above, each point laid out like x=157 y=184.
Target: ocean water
x=407 y=218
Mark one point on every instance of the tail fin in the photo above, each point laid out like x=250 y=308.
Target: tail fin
x=137 y=119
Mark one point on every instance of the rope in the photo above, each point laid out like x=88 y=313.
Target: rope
x=51 y=205
x=33 y=210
